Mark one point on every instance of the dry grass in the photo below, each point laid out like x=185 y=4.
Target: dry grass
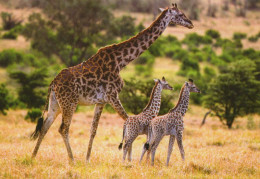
x=211 y=151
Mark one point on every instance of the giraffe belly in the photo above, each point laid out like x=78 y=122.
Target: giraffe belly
x=172 y=131
x=98 y=98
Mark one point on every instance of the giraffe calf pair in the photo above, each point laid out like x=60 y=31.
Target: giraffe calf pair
x=155 y=127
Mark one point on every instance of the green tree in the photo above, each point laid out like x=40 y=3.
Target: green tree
x=136 y=94
x=5 y=99
x=30 y=91
x=234 y=93
x=70 y=30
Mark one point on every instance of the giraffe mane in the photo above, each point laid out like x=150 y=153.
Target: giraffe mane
x=151 y=96
x=180 y=96
x=139 y=34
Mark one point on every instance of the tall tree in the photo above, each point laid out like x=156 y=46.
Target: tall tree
x=70 y=30
x=234 y=93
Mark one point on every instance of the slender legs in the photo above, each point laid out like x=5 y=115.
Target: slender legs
x=143 y=152
x=64 y=131
x=179 y=141
x=115 y=102
x=53 y=112
x=154 y=147
x=171 y=142
x=130 y=153
x=128 y=148
x=98 y=111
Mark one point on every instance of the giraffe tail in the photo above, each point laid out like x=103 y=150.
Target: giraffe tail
x=39 y=125
x=121 y=144
x=38 y=128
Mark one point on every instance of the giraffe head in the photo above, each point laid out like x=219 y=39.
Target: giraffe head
x=177 y=16
x=164 y=84
x=192 y=87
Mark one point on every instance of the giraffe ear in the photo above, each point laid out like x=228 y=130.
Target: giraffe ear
x=155 y=80
x=163 y=79
x=186 y=83
x=161 y=9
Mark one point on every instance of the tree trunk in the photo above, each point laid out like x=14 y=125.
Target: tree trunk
x=230 y=121
x=204 y=119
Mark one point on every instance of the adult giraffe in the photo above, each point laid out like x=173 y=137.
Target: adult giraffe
x=97 y=80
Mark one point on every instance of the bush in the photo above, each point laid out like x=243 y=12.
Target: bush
x=189 y=67
x=213 y=33
x=10 y=56
x=33 y=114
x=144 y=64
x=9 y=21
x=253 y=38
x=31 y=87
x=5 y=99
x=136 y=94
x=193 y=39
x=156 y=49
x=123 y=26
x=9 y=35
x=239 y=35
x=144 y=58
x=180 y=53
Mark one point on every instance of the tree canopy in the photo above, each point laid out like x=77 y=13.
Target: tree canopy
x=235 y=92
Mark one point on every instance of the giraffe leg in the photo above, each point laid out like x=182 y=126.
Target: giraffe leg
x=116 y=103
x=98 y=111
x=64 y=129
x=146 y=145
x=171 y=142
x=142 y=155
x=128 y=145
x=53 y=112
x=154 y=147
x=179 y=141
x=130 y=153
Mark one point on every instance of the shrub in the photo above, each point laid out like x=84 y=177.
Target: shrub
x=238 y=43
x=33 y=114
x=193 y=39
x=31 y=87
x=180 y=53
x=209 y=74
x=10 y=56
x=253 y=38
x=123 y=26
x=199 y=56
x=239 y=36
x=9 y=21
x=5 y=99
x=156 y=49
x=189 y=67
x=213 y=33
x=136 y=93
x=144 y=58
x=9 y=35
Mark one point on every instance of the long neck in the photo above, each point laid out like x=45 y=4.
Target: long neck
x=125 y=52
x=153 y=107
x=183 y=102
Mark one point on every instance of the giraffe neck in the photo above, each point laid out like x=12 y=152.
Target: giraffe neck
x=183 y=102
x=125 y=52
x=153 y=107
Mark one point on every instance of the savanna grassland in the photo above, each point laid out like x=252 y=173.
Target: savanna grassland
x=211 y=151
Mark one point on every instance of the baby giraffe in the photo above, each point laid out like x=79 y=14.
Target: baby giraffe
x=138 y=124
x=170 y=124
